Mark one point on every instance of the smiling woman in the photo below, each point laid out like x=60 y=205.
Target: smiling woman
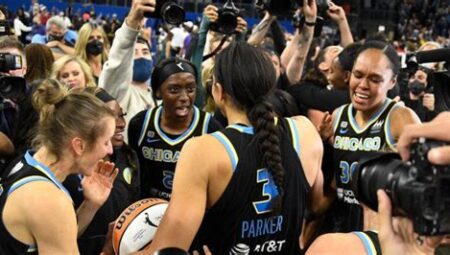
x=73 y=72
x=371 y=123
x=73 y=136
x=126 y=185
x=158 y=134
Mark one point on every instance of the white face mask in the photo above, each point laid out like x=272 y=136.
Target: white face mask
x=431 y=65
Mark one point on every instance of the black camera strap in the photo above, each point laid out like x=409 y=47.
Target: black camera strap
x=217 y=49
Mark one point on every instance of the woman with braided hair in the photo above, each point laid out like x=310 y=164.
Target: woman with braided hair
x=250 y=194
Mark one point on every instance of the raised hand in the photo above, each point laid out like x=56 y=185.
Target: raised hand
x=98 y=186
x=336 y=12
x=212 y=13
x=138 y=8
x=241 y=25
x=310 y=10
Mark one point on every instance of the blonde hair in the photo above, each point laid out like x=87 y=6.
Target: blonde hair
x=65 y=114
x=434 y=44
x=64 y=60
x=207 y=75
x=83 y=39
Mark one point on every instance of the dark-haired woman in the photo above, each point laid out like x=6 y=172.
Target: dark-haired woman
x=244 y=189
x=158 y=134
x=371 y=123
x=126 y=185
x=73 y=136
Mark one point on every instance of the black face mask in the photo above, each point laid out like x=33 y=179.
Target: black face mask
x=416 y=87
x=94 y=48
x=55 y=38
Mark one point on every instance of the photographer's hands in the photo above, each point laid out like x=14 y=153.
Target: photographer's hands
x=138 y=8
x=435 y=129
x=212 y=13
x=397 y=236
x=310 y=10
x=428 y=101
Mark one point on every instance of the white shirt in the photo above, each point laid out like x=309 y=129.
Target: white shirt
x=19 y=27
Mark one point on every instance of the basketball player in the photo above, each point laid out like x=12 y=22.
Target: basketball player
x=126 y=185
x=158 y=134
x=74 y=134
x=250 y=197
x=372 y=122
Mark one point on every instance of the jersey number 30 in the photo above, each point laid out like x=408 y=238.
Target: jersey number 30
x=269 y=191
x=347 y=171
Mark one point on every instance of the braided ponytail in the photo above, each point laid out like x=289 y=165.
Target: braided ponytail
x=267 y=137
x=247 y=74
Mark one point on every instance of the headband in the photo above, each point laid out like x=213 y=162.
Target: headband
x=168 y=67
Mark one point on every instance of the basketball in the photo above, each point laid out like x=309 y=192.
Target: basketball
x=136 y=226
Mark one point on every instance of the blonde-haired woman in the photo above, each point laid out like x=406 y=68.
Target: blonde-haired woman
x=73 y=136
x=73 y=72
x=92 y=46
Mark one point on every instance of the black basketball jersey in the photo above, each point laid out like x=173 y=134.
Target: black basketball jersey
x=241 y=221
x=26 y=170
x=125 y=191
x=351 y=143
x=158 y=151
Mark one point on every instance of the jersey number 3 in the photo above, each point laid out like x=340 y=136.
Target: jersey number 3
x=269 y=191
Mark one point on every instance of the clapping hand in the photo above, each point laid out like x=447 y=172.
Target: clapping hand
x=98 y=186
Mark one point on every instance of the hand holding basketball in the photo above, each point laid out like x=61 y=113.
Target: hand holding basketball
x=136 y=226
x=97 y=187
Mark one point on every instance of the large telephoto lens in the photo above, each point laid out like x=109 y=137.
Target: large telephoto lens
x=173 y=13
x=378 y=171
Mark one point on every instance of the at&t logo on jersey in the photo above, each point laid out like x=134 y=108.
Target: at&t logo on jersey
x=266 y=247
x=240 y=248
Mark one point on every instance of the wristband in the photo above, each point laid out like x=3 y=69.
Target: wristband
x=310 y=24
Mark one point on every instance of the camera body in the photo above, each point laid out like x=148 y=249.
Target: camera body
x=168 y=10
x=10 y=62
x=227 y=21
x=286 y=7
x=12 y=87
x=418 y=189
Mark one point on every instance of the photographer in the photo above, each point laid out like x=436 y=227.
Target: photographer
x=211 y=16
x=420 y=97
x=9 y=109
x=396 y=235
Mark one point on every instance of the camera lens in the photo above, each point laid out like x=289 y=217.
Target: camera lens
x=172 y=13
x=228 y=22
x=377 y=172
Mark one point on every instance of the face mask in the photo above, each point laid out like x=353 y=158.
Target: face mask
x=142 y=69
x=416 y=87
x=94 y=48
x=55 y=38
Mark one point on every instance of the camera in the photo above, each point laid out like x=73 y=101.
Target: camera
x=418 y=189
x=5 y=29
x=286 y=7
x=12 y=87
x=168 y=10
x=9 y=62
x=227 y=21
